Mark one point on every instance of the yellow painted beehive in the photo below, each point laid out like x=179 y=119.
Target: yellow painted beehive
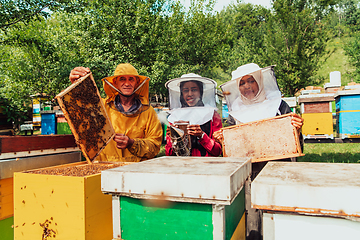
x=63 y=202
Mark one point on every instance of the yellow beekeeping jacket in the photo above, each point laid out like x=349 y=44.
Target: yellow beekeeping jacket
x=144 y=127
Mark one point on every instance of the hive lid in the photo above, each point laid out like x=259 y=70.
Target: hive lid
x=291 y=101
x=184 y=179
x=348 y=92
x=322 y=97
x=312 y=188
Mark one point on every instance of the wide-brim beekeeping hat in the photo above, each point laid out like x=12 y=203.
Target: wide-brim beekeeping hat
x=196 y=114
x=125 y=69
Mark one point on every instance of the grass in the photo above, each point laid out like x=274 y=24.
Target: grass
x=331 y=152
x=322 y=152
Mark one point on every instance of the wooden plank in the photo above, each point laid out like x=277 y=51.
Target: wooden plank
x=268 y=139
x=39 y=199
x=38 y=142
x=6 y=198
x=233 y=215
x=85 y=113
x=98 y=216
x=311 y=188
x=317 y=123
x=317 y=107
x=165 y=220
x=316 y=99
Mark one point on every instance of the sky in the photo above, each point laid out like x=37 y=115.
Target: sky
x=223 y=3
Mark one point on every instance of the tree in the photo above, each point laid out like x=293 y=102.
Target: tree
x=352 y=49
x=295 y=41
x=37 y=59
x=246 y=24
x=13 y=12
x=158 y=37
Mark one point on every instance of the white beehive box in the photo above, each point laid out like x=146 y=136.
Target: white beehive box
x=308 y=200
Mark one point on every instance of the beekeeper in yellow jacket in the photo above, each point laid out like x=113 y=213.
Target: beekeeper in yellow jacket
x=137 y=127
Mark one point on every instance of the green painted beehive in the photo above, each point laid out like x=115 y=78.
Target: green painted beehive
x=179 y=198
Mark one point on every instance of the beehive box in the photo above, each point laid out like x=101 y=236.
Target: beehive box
x=179 y=198
x=308 y=200
x=348 y=113
x=6 y=209
x=264 y=140
x=85 y=113
x=316 y=110
x=19 y=153
x=63 y=202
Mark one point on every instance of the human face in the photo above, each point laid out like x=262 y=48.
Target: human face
x=191 y=93
x=126 y=84
x=248 y=87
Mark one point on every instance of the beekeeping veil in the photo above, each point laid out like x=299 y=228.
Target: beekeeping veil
x=196 y=114
x=266 y=102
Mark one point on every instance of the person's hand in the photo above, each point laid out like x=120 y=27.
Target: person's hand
x=218 y=136
x=78 y=72
x=297 y=121
x=123 y=141
x=194 y=130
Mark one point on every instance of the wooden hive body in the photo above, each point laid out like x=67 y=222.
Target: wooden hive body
x=305 y=200
x=316 y=110
x=268 y=139
x=348 y=114
x=179 y=198
x=19 y=153
x=85 y=113
x=64 y=202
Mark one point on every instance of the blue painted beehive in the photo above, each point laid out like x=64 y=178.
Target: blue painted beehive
x=348 y=113
x=48 y=122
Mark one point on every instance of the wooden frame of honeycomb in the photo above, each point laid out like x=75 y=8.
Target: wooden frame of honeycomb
x=85 y=113
x=268 y=139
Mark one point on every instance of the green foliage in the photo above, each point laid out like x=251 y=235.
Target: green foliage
x=37 y=59
x=159 y=38
x=245 y=23
x=14 y=12
x=351 y=13
x=295 y=43
x=352 y=49
x=336 y=60
x=163 y=41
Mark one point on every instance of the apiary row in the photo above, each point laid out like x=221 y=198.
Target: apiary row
x=186 y=198
x=319 y=110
